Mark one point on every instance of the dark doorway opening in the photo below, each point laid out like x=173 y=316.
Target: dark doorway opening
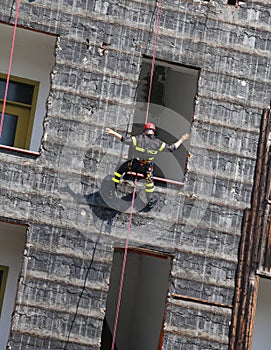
x=142 y=310
x=172 y=103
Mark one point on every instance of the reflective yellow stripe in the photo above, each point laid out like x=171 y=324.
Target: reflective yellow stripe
x=134 y=141
x=162 y=147
x=152 y=152
x=149 y=190
x=117 y=174
x=115 y=180
x=139 y=149
x=150 y=185
x=149 y=151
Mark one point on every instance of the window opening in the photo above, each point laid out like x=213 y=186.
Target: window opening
x=232 y=2
x=29 y=86
x=262 y=336
x=172 y=101
x=143 y=300
x=12 y=244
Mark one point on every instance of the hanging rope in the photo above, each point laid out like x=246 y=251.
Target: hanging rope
x=158 y=17
x=155 y=44
x=9 y=66
x=123 y=268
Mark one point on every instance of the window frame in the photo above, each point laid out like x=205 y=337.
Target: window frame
x=32 y=108
x=3 y=283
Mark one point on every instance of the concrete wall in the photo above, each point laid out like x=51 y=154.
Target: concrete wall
x=71 y=232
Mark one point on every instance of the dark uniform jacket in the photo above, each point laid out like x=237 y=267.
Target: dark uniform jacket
x=146 y=146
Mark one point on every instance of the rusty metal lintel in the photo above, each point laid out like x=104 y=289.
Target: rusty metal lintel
x=200 y=301
x=237 y=310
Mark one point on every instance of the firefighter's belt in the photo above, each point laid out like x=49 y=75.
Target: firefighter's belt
x=144 y=161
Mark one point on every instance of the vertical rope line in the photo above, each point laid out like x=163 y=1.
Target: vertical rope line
x=9 y=66
x=123 y=269
x=158 y=18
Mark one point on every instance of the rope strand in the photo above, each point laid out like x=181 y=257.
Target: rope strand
x=9 y=66
x=158 y=18
x=123 y=269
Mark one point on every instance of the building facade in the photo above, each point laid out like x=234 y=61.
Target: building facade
x=199 y=259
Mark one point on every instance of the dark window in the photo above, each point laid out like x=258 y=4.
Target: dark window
x=9 y=130
x=17 y=92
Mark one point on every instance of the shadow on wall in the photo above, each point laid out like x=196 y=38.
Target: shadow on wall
x=100 y=210
x=107 y=204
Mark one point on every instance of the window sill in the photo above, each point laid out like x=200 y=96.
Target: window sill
x=18 y=151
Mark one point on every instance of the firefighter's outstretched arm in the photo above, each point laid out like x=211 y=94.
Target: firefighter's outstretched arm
x=113 y=133
x=178 y=143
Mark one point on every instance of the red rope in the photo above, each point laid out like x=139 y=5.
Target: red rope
x=123 y=269
x=158 y=17
x=9 y=66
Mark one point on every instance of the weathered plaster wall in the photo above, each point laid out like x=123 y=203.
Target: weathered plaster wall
x=57 y=193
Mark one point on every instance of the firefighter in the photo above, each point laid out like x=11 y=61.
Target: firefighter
x=146 y=146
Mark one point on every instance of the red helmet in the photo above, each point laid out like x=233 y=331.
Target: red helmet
x=150 y=126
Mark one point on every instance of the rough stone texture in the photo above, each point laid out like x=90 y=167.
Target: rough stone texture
x=71 y=233
x=191 y=326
